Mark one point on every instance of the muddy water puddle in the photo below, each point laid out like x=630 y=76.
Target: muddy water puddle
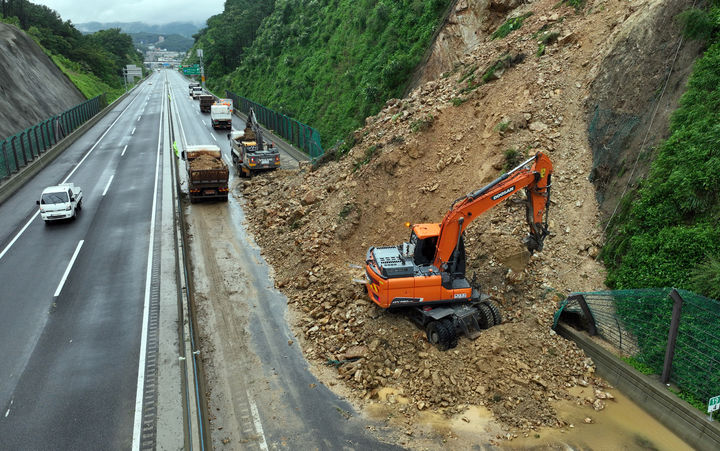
x=621 y=425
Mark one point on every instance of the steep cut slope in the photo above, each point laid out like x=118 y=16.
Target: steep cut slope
x=32 y=87
x=503 y=98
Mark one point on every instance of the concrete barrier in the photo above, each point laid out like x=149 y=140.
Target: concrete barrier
x=677 y=415
x=16 y=181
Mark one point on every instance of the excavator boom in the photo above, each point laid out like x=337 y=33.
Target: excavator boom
x=533 y=174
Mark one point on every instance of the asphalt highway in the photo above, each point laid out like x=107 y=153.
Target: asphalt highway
x=73 y=293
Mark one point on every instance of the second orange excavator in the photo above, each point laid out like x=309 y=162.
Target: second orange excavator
x=425 y=277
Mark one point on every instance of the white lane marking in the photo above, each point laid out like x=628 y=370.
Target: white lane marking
x=137 y=430
x=82 y=160
x=67 y=270
x=124 y=149
x=139 y=117
x=213 y=137
x=133 y=132
x=108 y=185
x=2 y=254
x=226 y=160
x=9 y=407
x=203 y=121
x=258 y=424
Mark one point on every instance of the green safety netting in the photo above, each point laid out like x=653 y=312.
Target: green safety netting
x=298 y=134
x=20 y=149
x=637 y=324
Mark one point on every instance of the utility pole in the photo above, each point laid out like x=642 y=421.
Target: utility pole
x=125 y=78
x=202 y=69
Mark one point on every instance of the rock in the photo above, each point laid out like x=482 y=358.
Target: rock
x=567 y=39
x=310 y=198
x=355 y=352
x=538 y=126
x=598 y=405
x=588 y=420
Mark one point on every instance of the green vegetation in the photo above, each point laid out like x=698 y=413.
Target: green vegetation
x=666 y=233
x=326 y=63
x=513 y=157
x=422 y=124
x=86 y=82
x=94 y=62
x=509 y=26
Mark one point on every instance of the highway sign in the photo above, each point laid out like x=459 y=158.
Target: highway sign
x=191 y=70
x=714 y=404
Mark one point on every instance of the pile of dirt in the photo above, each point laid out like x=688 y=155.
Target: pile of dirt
x=204 y=162
x=507 y=100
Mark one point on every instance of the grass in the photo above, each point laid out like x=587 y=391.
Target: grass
x=509 y=26
x=87 y=83
x=513 y=157
x=502 y=126
x=422 y=124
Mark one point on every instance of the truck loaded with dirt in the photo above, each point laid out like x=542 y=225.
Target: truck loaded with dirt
x=481 y=106
x=207 y=173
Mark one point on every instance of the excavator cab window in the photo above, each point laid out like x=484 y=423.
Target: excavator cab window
x=424 y=249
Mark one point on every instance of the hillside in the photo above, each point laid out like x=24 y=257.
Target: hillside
x=480 y=103
x=25 y=67
x=329 y=64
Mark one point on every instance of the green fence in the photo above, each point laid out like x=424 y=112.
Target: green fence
x=20 y=149
x=298 y=134
x=638 y=324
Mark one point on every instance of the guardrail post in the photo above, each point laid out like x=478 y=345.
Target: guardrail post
x=672 y=335
x=37 y=141
x=5 y=157
x=15 y=153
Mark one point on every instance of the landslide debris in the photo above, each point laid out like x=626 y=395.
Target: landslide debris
x=505 y=101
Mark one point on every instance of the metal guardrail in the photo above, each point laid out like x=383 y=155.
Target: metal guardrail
x=300 y=135
x=20 y=149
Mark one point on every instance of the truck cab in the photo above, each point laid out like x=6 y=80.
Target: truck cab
x=192 y=86
x=60 y=202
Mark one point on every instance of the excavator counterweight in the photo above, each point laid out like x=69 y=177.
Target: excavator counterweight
x=425 y=276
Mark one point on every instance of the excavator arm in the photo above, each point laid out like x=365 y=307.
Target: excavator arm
x=533 y=174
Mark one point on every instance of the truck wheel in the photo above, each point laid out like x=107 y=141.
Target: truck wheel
x=485 y=317
x=495 y=309
x=438 y=334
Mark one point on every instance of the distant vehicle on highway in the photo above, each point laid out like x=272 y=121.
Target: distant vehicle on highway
x=61 y=201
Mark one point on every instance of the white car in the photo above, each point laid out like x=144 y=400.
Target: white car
x=60 y=202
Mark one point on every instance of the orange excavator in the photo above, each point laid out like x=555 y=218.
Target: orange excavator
x=425 y=277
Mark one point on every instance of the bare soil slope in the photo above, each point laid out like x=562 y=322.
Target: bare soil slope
x=32 y=88
x=447 y=138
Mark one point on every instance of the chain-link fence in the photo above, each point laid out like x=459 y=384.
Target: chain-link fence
x=669 y=332
x=298 y=134
x=20 y=149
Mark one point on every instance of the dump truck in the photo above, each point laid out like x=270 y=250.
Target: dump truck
x=425 y=277
x=207 y=173
x=206 y=101
x=250 y=152
x=221 y=115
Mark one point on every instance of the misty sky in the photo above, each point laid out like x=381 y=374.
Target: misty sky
x=148 y=11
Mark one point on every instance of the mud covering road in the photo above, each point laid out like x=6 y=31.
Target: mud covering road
x=262 y=395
